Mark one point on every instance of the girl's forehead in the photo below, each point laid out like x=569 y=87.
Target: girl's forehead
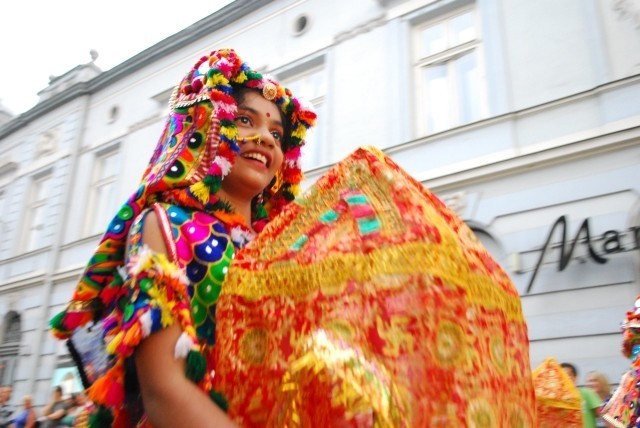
x=256 y=102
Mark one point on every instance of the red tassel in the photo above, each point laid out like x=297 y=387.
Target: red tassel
x=72 y=320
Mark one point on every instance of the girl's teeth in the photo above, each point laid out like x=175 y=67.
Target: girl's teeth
x=256 y=156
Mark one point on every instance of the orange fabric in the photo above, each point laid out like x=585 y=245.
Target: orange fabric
x=369 y=303
x=558 y=400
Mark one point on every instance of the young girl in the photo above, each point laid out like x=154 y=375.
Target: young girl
x=226 y=163
x=367 y=302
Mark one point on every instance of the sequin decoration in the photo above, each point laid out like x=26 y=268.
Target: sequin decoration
x=204 y=248
x=378 y=307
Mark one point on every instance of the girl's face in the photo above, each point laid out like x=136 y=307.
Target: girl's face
x=257 y=162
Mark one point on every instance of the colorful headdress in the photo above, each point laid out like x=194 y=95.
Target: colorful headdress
x=195 y=152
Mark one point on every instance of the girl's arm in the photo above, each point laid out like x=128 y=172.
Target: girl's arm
x=170 y=398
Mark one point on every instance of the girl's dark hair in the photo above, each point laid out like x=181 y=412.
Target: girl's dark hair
x=239 y=93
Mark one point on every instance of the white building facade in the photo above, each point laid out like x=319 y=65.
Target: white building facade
x=520 y=114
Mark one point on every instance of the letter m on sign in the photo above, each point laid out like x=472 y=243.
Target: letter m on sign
x=565 y=253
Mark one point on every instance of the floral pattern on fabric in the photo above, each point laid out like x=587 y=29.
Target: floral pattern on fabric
x=368 y=302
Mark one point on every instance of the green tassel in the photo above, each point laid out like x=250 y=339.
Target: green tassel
x=196 y=366
x=219 y=399
x=101 y=419
x=261 y=212
x=57 y=322
x=222 y=205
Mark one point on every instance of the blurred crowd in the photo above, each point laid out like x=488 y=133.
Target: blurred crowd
x=594 y=395
x=72 y=410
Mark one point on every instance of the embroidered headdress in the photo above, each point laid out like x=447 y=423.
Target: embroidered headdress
x=195 y=152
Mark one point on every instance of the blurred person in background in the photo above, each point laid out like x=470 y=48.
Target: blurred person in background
x=84 y=411
x=591 y=402
x=27 y=417
x=6 y=410
x=600 y=384
x=55 y=410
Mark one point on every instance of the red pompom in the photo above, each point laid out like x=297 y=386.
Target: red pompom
x=196 y=85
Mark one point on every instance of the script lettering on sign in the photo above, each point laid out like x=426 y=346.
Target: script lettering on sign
x=611 y=243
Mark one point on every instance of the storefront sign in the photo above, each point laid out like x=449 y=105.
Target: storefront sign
x=611 y=243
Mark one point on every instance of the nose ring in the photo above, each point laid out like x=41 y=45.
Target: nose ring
x=255 y=139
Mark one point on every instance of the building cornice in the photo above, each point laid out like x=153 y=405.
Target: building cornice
x=214 y=22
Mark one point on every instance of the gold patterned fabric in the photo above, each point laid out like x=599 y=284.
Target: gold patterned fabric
x=558 y=400
x=368 y=302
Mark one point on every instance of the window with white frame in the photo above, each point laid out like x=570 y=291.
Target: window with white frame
x=36 y=216
x=9 y=348
x=449 y=72
x=103 y=190
x=312 y=86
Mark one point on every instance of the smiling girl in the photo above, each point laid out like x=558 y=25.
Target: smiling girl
x=227 y=162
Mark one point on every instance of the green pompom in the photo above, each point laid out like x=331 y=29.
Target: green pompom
x=253 y=75
x=219 y=399
x=57 y=322
x=213 y=71
x=213 y=182
x=196 y=366
x=102 y=418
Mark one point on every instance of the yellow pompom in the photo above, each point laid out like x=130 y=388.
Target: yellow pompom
x=200 y=191
x=217 y=79
x=299 y=131
x=229 y=132
x=240 y=78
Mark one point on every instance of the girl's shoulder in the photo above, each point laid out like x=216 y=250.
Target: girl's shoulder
x=182 y=234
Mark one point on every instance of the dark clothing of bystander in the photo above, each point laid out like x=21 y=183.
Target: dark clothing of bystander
x=6 y=415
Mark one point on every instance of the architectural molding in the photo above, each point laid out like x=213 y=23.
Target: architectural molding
x=509 y=163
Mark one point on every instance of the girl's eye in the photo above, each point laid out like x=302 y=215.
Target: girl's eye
x=277 y=135
x=243 y=119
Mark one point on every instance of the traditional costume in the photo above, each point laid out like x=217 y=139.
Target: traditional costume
x=621 y=411
x=366 y=302
x=122 y=298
